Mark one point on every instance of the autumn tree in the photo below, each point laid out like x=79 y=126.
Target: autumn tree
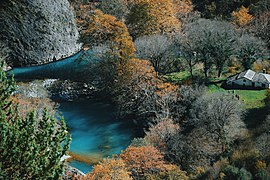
x=160 y=133
x=143 y=160
x=143 y=95
x=134 y=93
x=242 y=16
x=166 y=98
x=250 y=49
x=172 y=172
x=159 y=50
x=182 y=8
x=147 y=17
x=30 y=148
x=33 y=96
x=104 y=29
x=219 y=8
x=109 y=169
x=110 y=36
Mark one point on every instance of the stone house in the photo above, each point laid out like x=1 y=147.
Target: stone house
x=249 y=78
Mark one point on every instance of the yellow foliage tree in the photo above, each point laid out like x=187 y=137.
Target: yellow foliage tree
x=136 y=73
x=148 y=17
x=109 y=169
x=242 y=16
x=108 y=30
x=173 y=172
x=260 y=165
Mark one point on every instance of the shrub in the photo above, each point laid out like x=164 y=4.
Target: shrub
x=232 y=172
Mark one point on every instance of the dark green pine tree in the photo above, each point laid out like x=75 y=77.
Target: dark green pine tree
x=31 y=147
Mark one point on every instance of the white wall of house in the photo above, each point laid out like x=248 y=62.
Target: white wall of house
x=243 y=82
x=248 y=83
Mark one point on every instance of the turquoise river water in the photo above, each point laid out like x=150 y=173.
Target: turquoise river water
x=96 y=133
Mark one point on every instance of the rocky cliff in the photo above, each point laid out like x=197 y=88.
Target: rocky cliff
x=38 y=31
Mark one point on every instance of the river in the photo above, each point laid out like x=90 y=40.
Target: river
x=96 y=133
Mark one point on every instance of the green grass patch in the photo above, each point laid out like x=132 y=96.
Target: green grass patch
x=215 y=79
x=215 y=88
x=251 y=98
x=177 y=77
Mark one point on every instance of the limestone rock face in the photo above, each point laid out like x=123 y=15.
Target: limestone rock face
x=38 y=31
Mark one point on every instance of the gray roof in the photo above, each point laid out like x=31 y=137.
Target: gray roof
x=249 y=74
x=260 y=77
x=267 y=77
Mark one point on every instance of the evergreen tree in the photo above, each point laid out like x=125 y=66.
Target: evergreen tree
x=30 y=148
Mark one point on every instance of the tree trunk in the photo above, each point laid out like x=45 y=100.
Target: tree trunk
x=206 y=72
x=219 y=72
x=191 y=70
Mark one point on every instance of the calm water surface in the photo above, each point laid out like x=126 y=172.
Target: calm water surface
x=96 y=133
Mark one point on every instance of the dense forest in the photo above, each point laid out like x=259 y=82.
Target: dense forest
x=163 y=64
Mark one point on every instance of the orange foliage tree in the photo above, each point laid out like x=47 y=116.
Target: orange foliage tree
x=142 y=94
x=38 y=103
x=242 y=16
x=137 y=83
x=137 y=73
x=143 y=160
x=167 y=96
x=148 y=17
x=108 y=30
x=148 y=162
x=109 y=169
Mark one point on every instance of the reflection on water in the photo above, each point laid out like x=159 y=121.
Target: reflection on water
x=96 y=134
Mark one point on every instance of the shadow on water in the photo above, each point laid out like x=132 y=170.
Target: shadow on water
x=68 y=68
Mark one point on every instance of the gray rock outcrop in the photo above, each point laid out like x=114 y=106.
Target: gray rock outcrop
x=38 y=31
